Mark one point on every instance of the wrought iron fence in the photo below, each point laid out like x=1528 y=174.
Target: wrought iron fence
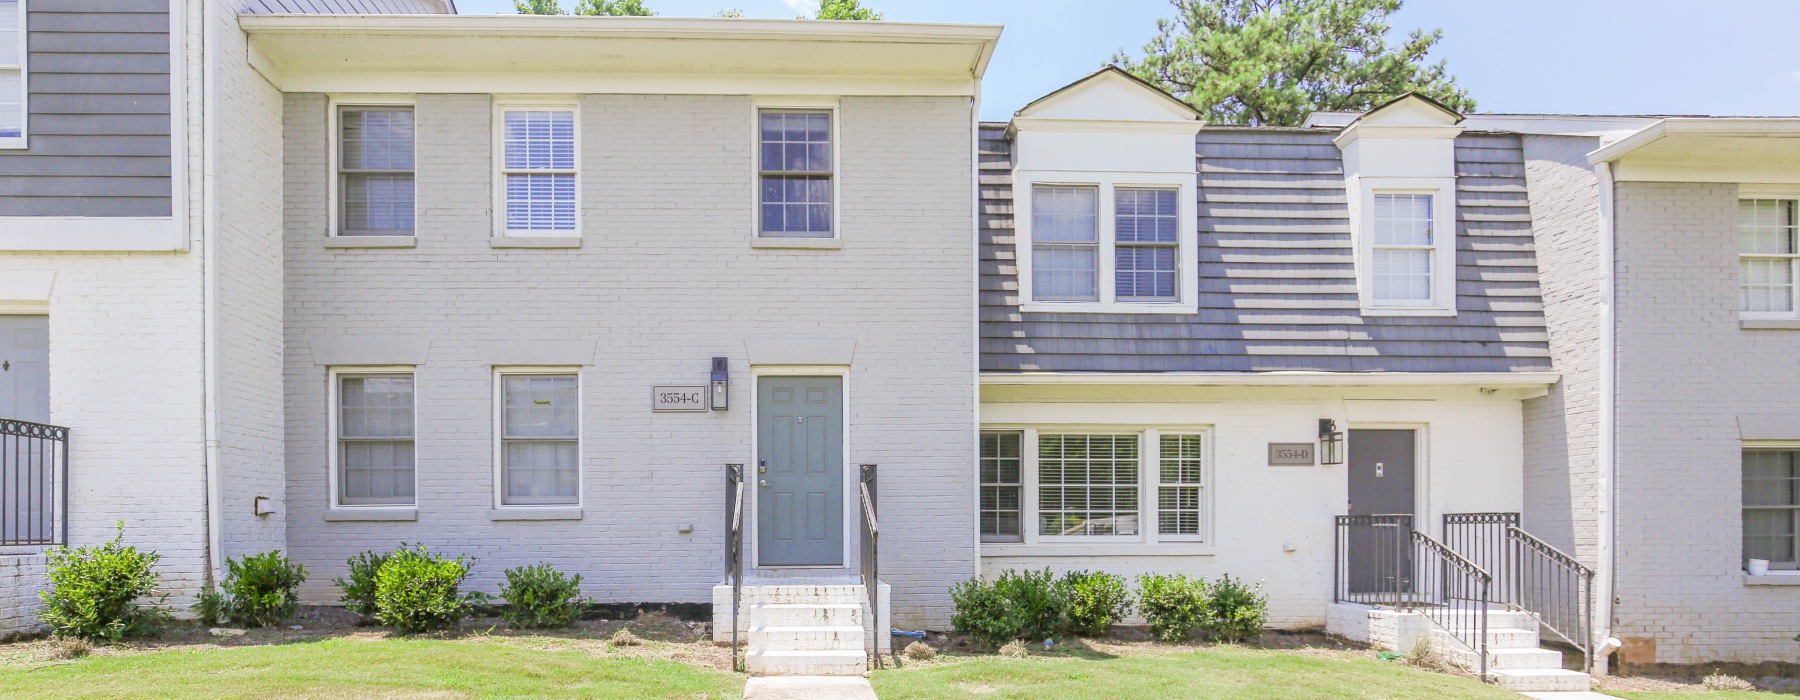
x=1556 y=589
x=34 y=483
x=1452 y=592
x=871 y=560
x=734 y=551
x=1381 y=560
x=1372 y=563
x=1481 y=538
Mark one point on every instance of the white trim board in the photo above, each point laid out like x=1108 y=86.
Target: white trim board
x=1483 y=379
x=81 y=233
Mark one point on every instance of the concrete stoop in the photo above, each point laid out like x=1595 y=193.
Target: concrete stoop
x=1516 y=659
x=802 y=629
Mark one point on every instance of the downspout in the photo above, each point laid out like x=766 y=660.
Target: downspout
x=975 y=312
x=1607 y=477
x=209 y=167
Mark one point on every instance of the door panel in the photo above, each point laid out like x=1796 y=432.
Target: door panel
x=800 y=471
x=25 y=368
x=1381 y=467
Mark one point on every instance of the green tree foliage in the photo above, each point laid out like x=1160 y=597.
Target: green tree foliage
x=1271 y=62
x=538 y=7
x=845 y=9
x=613 y=8
x=732 y=13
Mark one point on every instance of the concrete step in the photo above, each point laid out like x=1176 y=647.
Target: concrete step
x=806 y=615
x=823 y=594
x=807 y=663
x=1511 y=659
x=1501 y=619
x=808 y=638
x=1496 y=638
x=1540 y=680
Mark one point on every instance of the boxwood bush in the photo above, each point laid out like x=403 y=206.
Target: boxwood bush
x=417 y=591
x=359 y=586
x=94 y=591
x=1174 y=605
x=1235 y=611
x=541 y=596
x=262 y=588
x=1092 y=602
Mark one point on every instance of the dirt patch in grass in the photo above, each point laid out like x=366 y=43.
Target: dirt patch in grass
x=1131 y=641
x=1686 y=683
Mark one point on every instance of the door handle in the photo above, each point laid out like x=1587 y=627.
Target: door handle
x=762 y=482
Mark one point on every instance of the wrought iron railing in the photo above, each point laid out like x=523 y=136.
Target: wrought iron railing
x=1556 y=589
x=871 y=560
x=1381 y=560
x=34 y=483
x=1454 y=593
x=1481 y=538
x=734 y=551
x=1372 y=564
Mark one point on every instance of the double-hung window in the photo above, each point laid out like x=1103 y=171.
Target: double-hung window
x=1405 y=247
x=540 y=439
x=1772 y=507
x=1065 y=248
x=1002 y=463
x=1767 y=256
x=538 y=171
x=1147 y=238
x=1087 y=484
x=12 y=73
x=375 y=171
x=795 y=165
x=1117 y=244
x=375 y=455
x=1180 y=486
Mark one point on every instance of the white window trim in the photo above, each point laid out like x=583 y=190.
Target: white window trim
x=498 y=141
x=1781 y=192
x=500 y=373
x=20 y=141
x=1187 y=256
x=1443 y=259
x=334 y=148
x=1761 y=446
x=333 y=388
x=1149 y=478
x=798 y=103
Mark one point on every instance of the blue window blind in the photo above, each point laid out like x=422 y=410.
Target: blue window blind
x=539 y=167
x=796 y=174
x=1147 y=235
x=12 y=82
x=375 y=171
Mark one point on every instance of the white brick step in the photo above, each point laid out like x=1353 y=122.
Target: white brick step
x=807 y=638
x=807 y=663
x=804 y=615
x=1540 y=680
x=764 y=595
x=1512 y=659
x=1507 y=638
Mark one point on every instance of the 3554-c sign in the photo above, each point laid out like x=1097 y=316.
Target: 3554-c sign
x=677 y=399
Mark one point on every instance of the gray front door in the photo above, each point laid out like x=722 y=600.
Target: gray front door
x=25 y=368
x=1381 y=483
x=800 y=471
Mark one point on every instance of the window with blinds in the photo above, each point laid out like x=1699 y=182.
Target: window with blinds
x=1181 y=479
x=1772 y=507
x=1147 y=237
x=1767 y=256
x=796 y=164
x=375 y=455
x=375 y=171
x=1065 y=247
x=540 y=439
x=1087 y=484
x=539 y=171
x=12 y=70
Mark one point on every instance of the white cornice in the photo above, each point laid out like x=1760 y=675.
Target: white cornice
x=1360 y=130
x=1106 y=125
x=1478 y=379
x=778 y=30
x=1747 y=127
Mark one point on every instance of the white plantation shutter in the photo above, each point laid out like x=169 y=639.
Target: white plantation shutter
x=375 y=166
x=539 y=166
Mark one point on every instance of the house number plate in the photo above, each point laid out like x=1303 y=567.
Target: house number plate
x=677 y=399
x=1290 y=454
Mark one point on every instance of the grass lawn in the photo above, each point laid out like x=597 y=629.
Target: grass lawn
x=369 y=667
x=1143 y=670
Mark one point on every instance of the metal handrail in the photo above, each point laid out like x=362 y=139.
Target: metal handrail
x=1481 y=538
x=871 y=559
x=734 y=552
x=1556 y=590
x=34 y=483
x=1455 y=595
x=1382 y=560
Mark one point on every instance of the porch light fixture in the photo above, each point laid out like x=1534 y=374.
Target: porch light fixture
x=721 y=384
x=1331 y=442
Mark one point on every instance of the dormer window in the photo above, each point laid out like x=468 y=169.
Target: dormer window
x=1400 y=182
x=1403 y=248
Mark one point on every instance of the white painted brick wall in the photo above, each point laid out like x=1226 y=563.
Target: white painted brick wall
x=1686 y=371
x=21 y=577
x=666 y=279
x=1562 y=429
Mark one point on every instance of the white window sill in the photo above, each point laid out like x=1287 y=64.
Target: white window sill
x=12 y=142
x=535 y=241
x=1406 y=311
x=1084 y=307
x=536 y=513
x=781 y=242
x=372 y=513
x=1099 y=549
x=1774 y=578
x=1769 y=324
x=372 y=242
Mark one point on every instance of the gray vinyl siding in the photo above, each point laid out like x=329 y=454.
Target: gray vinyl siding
x=1277 y=281
x=344 y=7
x=98 y=123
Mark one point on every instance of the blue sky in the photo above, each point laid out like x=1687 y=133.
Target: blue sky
x=1725 y=57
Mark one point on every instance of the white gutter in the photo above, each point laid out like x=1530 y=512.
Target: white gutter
x=209 y=229
x=489 y=26
x=1606 y=556
x=973 y=476
x=1480 y=379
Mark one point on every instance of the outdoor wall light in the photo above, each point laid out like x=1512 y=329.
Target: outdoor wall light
x=1331 y=442
x=721 y=384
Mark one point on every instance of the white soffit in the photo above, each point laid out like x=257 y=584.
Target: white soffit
x=523 y=53
x=1739 y=150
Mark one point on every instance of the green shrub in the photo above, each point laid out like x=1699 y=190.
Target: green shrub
x=263 y=588
x=982 y=613
x=540 y=596
x=94 y=591
x=1235 y=611
x=1092 y=601
x=212 y=607
x=359 y=587
x=1035 y=600
x=416 y=591
x=1174 y=605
